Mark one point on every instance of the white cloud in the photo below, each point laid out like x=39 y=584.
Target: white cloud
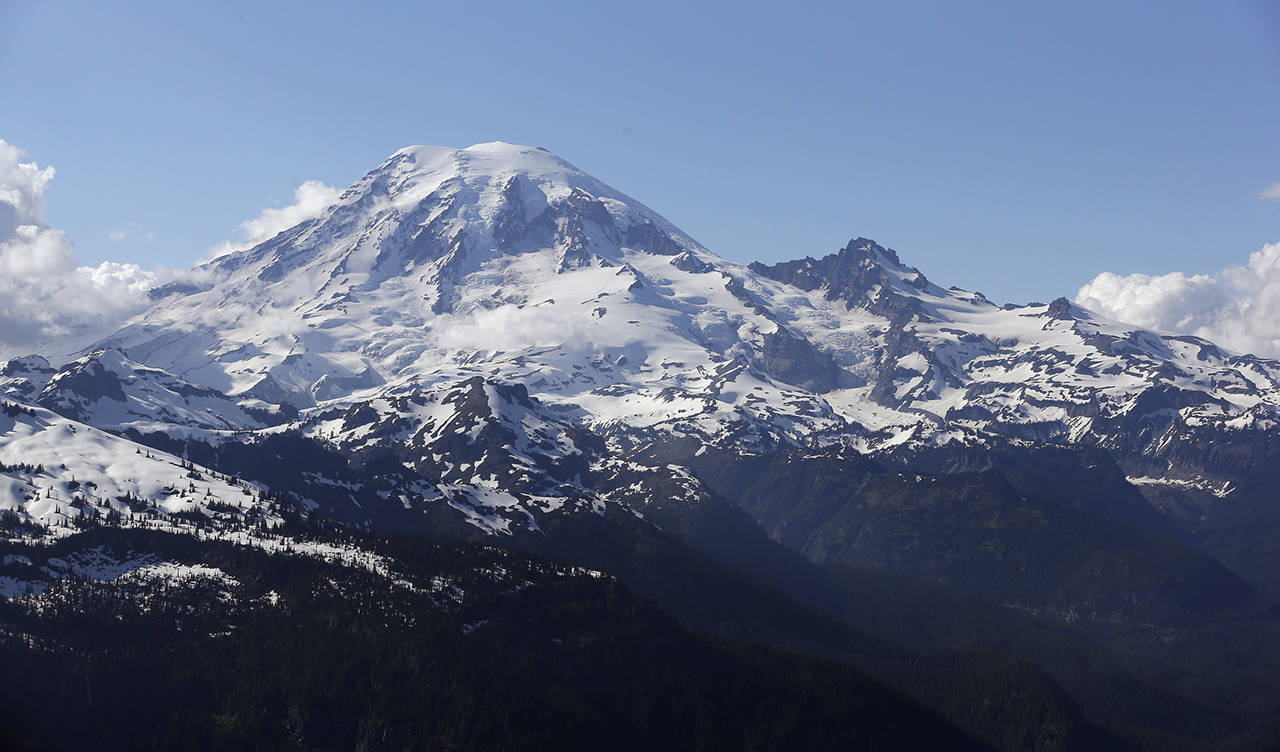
x=22 y=187
x=513 y=328
x=309 y=200
x=136 y=230
x=1270 y=192
x=1238 y=307
x=52 y=304
x=48 y=301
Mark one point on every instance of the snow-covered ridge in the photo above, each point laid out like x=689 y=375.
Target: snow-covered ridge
x=57 y=472
x=109 y=390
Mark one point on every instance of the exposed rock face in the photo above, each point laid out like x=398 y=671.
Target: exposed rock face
x=23 y=378
x=108 y=390
x=791 y=358
x=854 y=274
x=687 y=262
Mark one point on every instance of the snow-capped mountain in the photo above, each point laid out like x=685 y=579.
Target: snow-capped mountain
x=507 y=263
x=446 y=278
x=499 y=261
x=489 y=344
x=496 y=301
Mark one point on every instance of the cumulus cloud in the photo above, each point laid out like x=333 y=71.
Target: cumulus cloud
x=309 y=200
x=48 y=300
x=1237 y=307
x=513 y=328
x=52 y=304
x=1270 y=192
x=22 y=187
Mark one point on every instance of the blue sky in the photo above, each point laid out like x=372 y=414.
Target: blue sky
x=1016 y=148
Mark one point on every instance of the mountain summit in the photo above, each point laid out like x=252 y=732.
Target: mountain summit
x=440 y=259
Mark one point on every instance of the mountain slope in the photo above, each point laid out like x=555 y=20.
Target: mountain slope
x=60 y=473
x=281 y=652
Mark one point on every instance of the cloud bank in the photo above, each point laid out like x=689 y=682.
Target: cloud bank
x=48 y=300
x=309 y=200
x=52 y=304
x=1237 y=307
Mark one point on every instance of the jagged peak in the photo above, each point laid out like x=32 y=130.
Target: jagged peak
x=871 y=248
x=1060 y=309
x=857 y=273
x=1063 y=309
